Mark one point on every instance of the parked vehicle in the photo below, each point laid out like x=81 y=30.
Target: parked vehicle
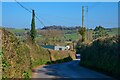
x=77 y=56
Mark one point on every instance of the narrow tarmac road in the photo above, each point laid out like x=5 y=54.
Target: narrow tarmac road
x=66 y=70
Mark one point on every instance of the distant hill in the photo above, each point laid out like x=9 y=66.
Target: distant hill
x=70 y=33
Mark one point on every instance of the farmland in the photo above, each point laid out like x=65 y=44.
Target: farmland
x=68 y=35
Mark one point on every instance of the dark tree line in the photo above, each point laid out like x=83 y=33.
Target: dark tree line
x=61 y=28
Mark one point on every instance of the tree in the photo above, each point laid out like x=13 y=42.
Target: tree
x=99 y=31
x=33 y=31
x=82 y=32
x=51 y=35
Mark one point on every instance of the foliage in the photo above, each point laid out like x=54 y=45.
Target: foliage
x=19 y=57
x=51 y=35
x=56 y=37
x=82 y=32
x=102 y=55
x=67 y=59
x=26 y=75
x=67 y=35
x=55 y=27
x=33 y=31
x=100 y=31
x=14 y=54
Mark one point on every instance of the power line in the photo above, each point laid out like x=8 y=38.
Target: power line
x=39 y=20
x=29 y=11
x=23 y=6
x=36 y=16
x=61 y=19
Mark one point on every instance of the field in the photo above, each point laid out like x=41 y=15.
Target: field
x=114 y=31
x=16 y=30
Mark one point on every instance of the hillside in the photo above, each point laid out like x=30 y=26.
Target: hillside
x=18 y=58
x=68 y=33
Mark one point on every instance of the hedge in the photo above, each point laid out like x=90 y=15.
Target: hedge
x=102 y=55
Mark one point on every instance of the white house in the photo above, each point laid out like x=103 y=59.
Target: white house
x=56 y=47
x=60 y=48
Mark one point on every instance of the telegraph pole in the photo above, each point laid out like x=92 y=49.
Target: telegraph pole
x=87 y=30
x=82 y=16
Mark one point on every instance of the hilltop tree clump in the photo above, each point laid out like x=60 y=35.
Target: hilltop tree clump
x=99 y=31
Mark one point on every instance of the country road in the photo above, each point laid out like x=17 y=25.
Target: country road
x=66 y=70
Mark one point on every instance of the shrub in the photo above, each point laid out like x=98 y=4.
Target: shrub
x=102 y=55
x=82 y=32
x=18 y=58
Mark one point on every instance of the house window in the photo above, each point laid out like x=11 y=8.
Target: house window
x=60 y=48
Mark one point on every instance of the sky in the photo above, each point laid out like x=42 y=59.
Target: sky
x=60 y=13
x=61 y=0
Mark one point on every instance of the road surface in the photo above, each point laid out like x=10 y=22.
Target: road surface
x=66 y=70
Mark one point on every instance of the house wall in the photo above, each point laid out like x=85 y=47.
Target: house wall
x=60 y=48
x=54 y=47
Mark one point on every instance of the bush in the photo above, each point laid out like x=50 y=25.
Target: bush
x=102 y=55
x=67 y=59
x=18 y=58
x=82 y=32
